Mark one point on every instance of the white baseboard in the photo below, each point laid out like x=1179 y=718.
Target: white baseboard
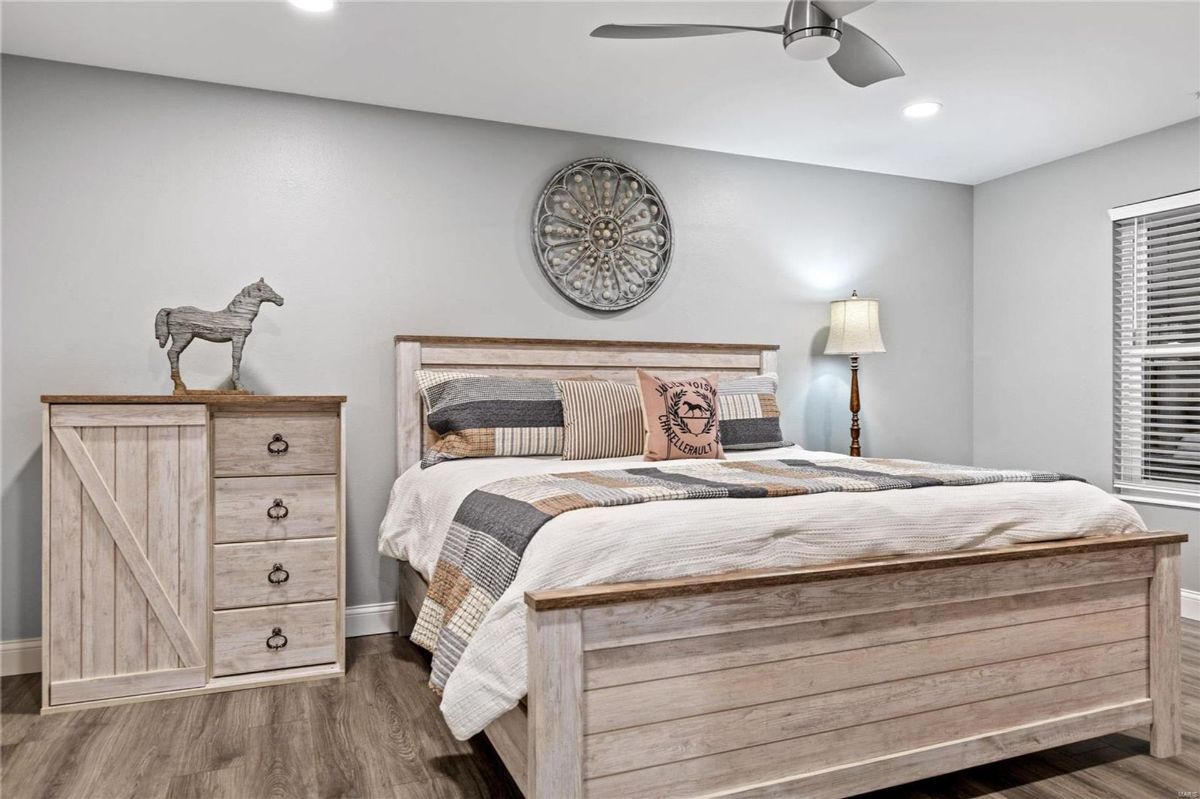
x=24 y=656
x=383 y=617
x=1189 y=604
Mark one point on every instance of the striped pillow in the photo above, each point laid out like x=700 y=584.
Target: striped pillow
x=601 y=419
x=478 y=416
x=749 y=413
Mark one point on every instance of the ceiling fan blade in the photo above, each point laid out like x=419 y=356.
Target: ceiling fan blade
x=861 y=60
x=674 y=31
x=841 y=8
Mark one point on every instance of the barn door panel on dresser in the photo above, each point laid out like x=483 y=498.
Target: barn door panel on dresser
x=128 y=569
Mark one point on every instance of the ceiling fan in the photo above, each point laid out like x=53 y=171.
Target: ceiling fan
x=811 y=30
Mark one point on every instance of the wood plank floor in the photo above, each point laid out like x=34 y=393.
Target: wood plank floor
x=379 y=734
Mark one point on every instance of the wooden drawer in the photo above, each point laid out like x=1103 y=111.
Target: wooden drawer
x=246 y=574
x=307 y=443
x=240 y=637
x=244 y=508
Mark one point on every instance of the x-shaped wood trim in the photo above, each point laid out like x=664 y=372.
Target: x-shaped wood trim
x=126 y=541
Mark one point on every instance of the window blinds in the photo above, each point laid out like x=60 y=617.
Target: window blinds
x=1156 y=353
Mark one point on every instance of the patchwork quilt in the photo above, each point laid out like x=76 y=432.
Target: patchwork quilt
x=494 y=524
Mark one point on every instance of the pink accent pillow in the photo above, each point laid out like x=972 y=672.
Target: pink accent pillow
x=681 y=417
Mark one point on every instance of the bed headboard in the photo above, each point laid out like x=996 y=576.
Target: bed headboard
x=553 y=358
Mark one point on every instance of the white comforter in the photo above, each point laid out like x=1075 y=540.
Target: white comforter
x=660 y=540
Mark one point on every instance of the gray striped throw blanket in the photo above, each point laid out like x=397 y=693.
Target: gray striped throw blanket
x=494 y=524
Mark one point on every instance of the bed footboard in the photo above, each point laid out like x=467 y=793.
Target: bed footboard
x=832 y=681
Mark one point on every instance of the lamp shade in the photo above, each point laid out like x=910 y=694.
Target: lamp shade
x=854 y=327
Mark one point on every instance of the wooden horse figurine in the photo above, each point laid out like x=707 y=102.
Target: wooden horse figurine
x=183 y=324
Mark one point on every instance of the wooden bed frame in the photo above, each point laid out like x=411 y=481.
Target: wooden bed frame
x=825 y=681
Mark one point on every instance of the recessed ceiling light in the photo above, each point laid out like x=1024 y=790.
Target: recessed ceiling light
x=313 y=5
x=926 y=108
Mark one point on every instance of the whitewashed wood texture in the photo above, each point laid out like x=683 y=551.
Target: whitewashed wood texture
x=128 y=605
x=554 y=741
x=241 y=444
x=242 y=507
x=239 y=637
x=118 y=497
x=878 y=678
x=509 y=735
x=242 y=573
x=1166 y=730
x=1056 y=664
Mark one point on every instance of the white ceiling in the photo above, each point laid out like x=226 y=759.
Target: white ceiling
x=1022 y=83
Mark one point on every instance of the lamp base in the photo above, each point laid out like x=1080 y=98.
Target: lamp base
x=855 y=429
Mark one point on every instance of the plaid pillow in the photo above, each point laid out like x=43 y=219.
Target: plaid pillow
x=478 y=416
x=749 y=413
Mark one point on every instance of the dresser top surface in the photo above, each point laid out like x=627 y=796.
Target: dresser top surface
x=240 y=400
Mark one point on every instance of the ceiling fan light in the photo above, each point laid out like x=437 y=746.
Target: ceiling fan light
x=812 y=44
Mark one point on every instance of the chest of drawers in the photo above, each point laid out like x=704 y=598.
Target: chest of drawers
x=190 y=545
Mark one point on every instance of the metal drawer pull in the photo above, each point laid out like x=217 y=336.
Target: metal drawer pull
x=278 y=574
x=278 y=445
x=277 y=640
x=277 y=510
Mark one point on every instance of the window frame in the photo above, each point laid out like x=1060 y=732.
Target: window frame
x=1151 y=491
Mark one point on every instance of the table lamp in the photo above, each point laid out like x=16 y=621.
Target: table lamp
x=854 y=331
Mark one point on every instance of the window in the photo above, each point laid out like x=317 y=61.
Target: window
x=1156 y=352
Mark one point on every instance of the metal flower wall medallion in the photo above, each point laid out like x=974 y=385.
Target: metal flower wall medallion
x=602 y=234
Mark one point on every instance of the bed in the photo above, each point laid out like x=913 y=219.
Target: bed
x=822 y=681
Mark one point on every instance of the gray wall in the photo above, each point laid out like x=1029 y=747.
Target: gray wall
x=1043 y=309
x=123 y=193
